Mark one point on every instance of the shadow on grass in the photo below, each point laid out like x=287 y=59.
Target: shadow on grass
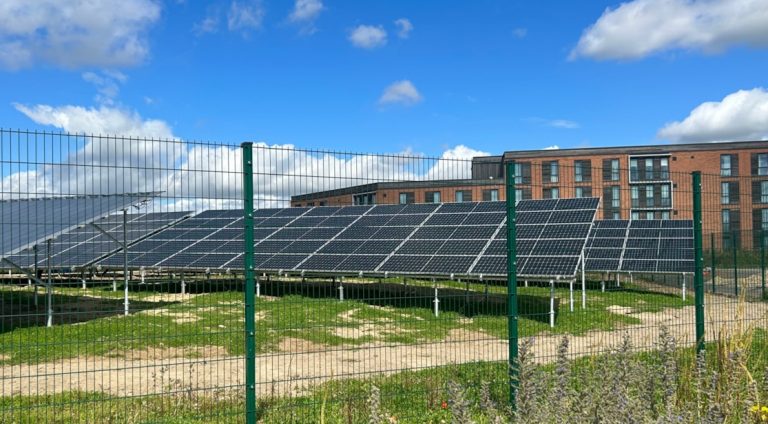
x=19 y=309
x=468 y=303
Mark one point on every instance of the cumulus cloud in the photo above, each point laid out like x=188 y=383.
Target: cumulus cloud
x=101 y=120
x=401 y=92
x=305 y=10
x=404 y=27
x=742 y=115
x=552 y=147
x=199 y=176
x=209 y=25
x=245 y=16
x=642 y=27
x=74 y=34
x=368 y=36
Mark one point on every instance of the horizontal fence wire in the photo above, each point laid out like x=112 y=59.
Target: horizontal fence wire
x=380 y=281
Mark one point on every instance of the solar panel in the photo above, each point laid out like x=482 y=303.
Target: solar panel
x=662 y=246
x=82 y=246
x=25 y=223
x=553 y=234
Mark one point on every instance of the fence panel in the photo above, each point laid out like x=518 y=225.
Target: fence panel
x=114 y=308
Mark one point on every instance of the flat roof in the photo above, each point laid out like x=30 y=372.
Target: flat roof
x=636 y=150
x=369 y=188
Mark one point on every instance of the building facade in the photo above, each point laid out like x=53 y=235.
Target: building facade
x=633 y=182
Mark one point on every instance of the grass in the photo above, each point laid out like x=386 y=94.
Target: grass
x=217 y=319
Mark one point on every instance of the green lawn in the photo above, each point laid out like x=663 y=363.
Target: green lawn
x=93 y=324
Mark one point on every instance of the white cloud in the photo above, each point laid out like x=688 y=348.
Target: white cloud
x=742 y=115
x=401 y=92
x=368 y=36
x=404 y=27
x=245 y=16
x=209 y=25
x=552 y=147
x=520 y=32
x=198 y=175
x=642 y=27
x=73 y=34
x=305 y=10
x=107 y=84
x=102 y=120
x=563 y=123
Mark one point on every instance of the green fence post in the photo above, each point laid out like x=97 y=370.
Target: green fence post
x=698 y=277
x=762 y=263
x=250 y=286
x=735 y=265
x=512 y=313
x=714 y=267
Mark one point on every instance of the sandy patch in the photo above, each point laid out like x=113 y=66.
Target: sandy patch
x=291 y=344
x=154 y=353
x=169 y=297
x=620 y=310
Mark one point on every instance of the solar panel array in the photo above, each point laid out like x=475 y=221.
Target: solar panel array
x=210 y=239
x=26 y=222
x=552 y=234
x=655 y=246
x=85 y=244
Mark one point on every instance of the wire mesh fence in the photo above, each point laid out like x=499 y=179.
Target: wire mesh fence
x=171 y=281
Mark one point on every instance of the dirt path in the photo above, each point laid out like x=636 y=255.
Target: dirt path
x=302 y=363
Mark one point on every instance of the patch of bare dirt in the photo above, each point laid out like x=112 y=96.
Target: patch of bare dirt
x=170 y=297
x=620 y=310
x=154 y=353
x=298 y=364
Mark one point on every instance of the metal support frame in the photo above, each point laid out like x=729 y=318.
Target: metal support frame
x=552 y=303
x=698 y=277
x=762 y=264
x=250 y=301
x=49 y=285
x=735 y=265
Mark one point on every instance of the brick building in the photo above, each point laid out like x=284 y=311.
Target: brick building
x=634 y=182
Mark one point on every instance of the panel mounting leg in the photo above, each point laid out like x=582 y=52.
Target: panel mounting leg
x=552 y=303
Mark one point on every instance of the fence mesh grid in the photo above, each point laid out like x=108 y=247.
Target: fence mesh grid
x=123 y=289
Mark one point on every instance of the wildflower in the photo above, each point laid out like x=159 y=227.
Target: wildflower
x=444 y=405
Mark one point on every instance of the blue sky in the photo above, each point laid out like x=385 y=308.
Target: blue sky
x=347 y=75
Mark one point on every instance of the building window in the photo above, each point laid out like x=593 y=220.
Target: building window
x=364 y=199
x=666 y=199
x=649 y=200
x=550 y=172
x=730 y=228
x=615 y=197
x=616 y=215
x=322 y=203
x=522 y=172
x=633 y=172
x=584 y=191
x=762 y=164
x=763 y=191
x=649 y=215
x=635 y=216
x=635 y=196
x=648 y=169
x=729 y=193
x=463 y=196
x=729 y=165
x=491 y=195
x=664 y=162
x=551 y=193
x=407 y=197
x=582 y=171
x=611 y=170
x=664 y=214
x=432 y=197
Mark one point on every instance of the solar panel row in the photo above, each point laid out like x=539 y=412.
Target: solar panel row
x=641 y=246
